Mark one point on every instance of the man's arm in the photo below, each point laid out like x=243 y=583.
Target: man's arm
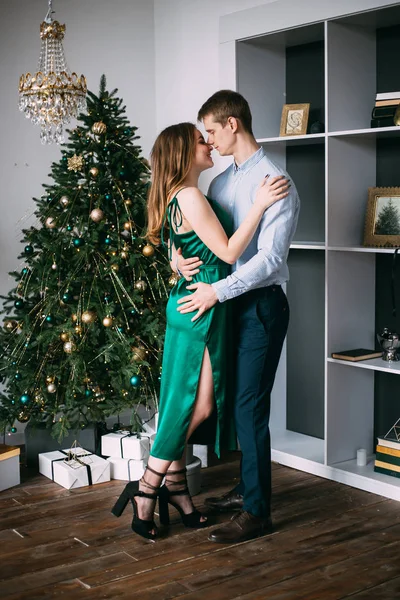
x=273 y=245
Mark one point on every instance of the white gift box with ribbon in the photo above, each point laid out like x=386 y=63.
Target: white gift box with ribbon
x=74 y=468
x=126 y=469
x=123 y=444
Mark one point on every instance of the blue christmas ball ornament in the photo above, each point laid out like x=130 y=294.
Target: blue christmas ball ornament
x=28 y=249
x=107 y=241
x=108 y=196
x=25 y=399
x=18 y=376
x=13 y=430
x=88 y=393
x=13 y=402
x=19 y=304
x=66 y=297
x=78 y=242
x=49 y=319
x=69 y=227
x=25 y=271
x=135 y=380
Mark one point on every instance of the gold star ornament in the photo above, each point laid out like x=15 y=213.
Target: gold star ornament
x=75 y=163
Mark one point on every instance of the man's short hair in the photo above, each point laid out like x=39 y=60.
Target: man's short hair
x=225 y=104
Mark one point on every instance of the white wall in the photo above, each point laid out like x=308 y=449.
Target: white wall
x=187 y=57
x=115 y=38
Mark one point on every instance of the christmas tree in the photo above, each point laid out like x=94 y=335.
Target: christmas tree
x=84 y=325
x=388 y=222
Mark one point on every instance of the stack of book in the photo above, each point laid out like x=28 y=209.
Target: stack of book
x=385 y=108
x=387 y=459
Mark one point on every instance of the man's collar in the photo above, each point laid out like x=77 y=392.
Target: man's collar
x=250 y=162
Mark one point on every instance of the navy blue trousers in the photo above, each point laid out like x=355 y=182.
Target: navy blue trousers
x=262 y=318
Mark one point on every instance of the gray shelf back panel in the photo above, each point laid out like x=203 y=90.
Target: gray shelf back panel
x=306 y=166
x=305 y=343
x=387 y=386
x=305 y=78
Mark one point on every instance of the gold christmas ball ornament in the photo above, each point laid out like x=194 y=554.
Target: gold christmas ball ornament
x=115 y=267
x=78 y=330
x=128 y=202
x=10 y=325
x=173 y=280
x=64 y=336
x=50 y=378
x=23 y=417
x=89 y=316
x=52 y=388
x=107 y=321
x=74 y=318
x=128 y=225
x=148 y=250
x=141 y=285
x=69 y=347
x=124 y=254
x=97 y=215
x=138 y=353
x=50 y=223
x=64 y=201
x=99 y=128
x=94 y=171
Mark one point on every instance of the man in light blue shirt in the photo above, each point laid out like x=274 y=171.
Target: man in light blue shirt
x=260 y=305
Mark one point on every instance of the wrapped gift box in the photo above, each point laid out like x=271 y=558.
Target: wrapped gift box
x=9 y=466
x=123 y=444
x=126 y=469
x=86 y=469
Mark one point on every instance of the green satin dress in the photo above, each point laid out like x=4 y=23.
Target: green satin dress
x=185 y=343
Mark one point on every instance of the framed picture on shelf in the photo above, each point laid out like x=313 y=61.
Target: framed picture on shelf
x=294 y=119
x=382 y=222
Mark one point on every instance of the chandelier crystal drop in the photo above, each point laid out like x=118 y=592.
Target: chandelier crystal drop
x=53 y=95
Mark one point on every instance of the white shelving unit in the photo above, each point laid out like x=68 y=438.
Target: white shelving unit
x=337 y=56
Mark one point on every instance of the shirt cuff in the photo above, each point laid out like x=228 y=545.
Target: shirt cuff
x=221 y=290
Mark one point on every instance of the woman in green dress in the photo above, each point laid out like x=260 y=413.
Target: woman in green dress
x=194 y=370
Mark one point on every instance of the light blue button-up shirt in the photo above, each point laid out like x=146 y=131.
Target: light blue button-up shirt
x=264 y=262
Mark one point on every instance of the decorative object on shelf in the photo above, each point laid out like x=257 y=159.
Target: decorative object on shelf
x=382 y=221
x=361 y=457
x=317 y=127
x=387 y=458
x=386 y=111
x=356 y=355
x=9 y=466
x=294 y=119
x=53 y=95
x=389 y=342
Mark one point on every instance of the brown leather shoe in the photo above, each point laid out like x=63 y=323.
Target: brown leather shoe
x=229 y=501
x=243 y=526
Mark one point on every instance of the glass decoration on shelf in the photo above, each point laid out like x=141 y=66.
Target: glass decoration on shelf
x=53 y=95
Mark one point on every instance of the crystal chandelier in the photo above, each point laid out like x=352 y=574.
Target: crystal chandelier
x=53 y=95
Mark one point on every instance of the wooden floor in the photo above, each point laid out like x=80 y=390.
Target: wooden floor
x=331 y=542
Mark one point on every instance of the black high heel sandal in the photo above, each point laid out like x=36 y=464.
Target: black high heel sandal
x=164 y=498
x=143 y=527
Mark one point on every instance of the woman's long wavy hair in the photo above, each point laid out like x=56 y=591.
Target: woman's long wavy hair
x=171 y=159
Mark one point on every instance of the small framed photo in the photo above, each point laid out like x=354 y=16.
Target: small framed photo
x=382 y=222
x=294 y=119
